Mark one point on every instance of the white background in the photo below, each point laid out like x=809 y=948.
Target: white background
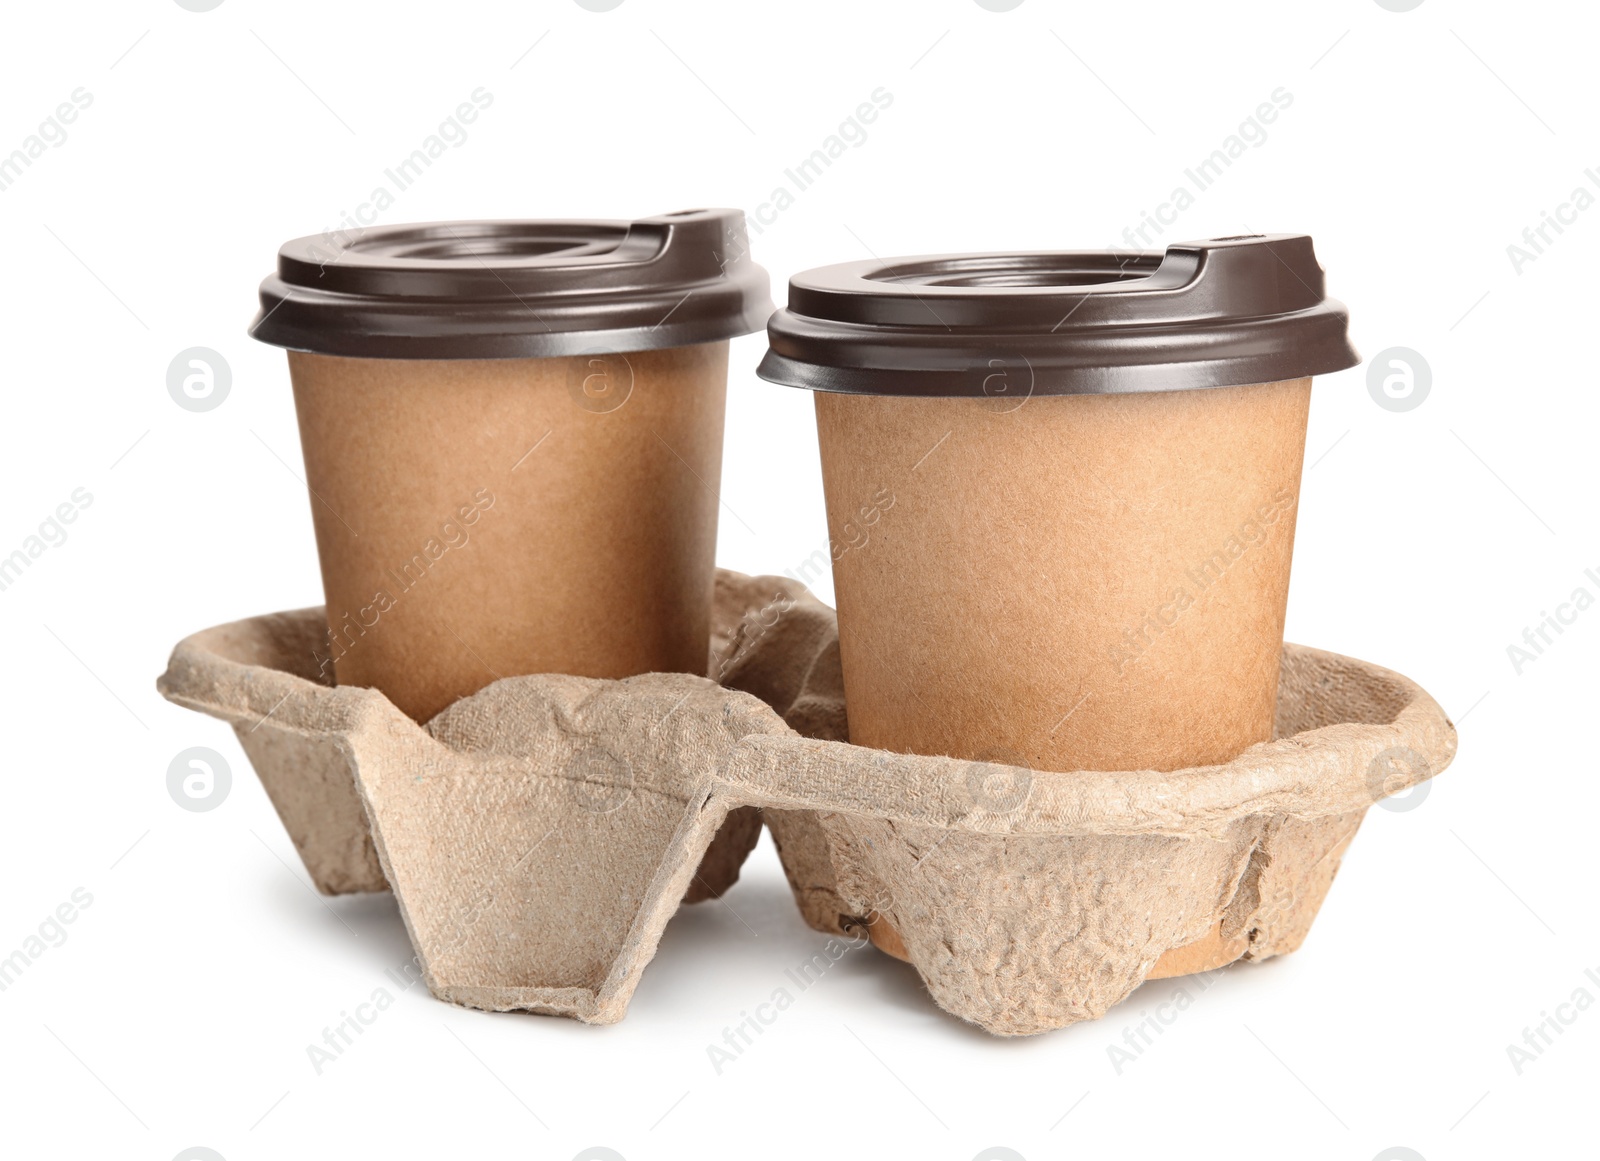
x=1418 y=146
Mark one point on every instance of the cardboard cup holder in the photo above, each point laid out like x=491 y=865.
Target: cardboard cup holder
x=539 y=834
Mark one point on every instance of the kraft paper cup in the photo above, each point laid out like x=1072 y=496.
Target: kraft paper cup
x=1062 y=490
x=1092 y=582
x=480 y=522
x=513 y=443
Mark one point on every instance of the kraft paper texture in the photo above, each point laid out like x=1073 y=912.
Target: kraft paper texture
x=1071 y=582
x=481 y=518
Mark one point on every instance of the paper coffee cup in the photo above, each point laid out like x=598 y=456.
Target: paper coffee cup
x=512 y=435
x=1062 y=491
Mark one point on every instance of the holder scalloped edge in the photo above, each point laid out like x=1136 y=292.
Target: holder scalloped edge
x=539 y=834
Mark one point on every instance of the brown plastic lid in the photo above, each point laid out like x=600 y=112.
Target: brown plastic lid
x=1215 y=313
x=516 y=289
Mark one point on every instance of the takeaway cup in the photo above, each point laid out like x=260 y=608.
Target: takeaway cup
x=512 y=435
x=1061 y=492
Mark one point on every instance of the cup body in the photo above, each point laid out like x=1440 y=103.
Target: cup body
x=480 y=518
x=1092 y=581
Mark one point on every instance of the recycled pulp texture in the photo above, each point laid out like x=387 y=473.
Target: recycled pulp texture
x=1071 y=582
x=309 y=775
x=540 y=833
x=484 y=518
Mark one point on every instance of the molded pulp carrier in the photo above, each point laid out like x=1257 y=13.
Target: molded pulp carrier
x=540 y=833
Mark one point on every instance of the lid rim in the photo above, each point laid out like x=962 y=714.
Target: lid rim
x=492 y=346
x=1105 y=379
